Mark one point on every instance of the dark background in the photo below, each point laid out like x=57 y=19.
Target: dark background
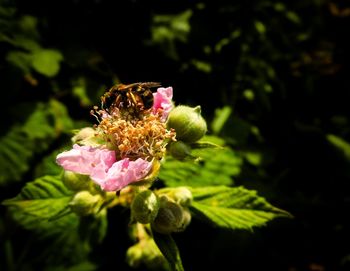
x=283 y=69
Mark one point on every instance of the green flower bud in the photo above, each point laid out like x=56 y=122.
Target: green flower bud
x=84 y=203
x=75 y=181
x=171 y=218
x=188 y=123
x=186 y=219
x=179 y=150
x=181 y=195
x=144 y=207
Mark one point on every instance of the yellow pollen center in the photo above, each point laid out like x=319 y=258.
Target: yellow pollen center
x=134 y=136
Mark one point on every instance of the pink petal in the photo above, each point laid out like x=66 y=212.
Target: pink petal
x=162 y=101
x=121 y=174
x=85 y=159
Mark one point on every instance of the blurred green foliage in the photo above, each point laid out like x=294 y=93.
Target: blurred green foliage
x=272 y=76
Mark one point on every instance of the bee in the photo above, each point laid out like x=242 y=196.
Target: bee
x=136 y=95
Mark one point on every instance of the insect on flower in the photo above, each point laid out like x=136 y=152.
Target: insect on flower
x=136 y=95
x=129 y=140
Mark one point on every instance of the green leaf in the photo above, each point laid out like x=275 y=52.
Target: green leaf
x=42 y=199
x=221 y=116
x=14 y=155
x=48 y=165
x=59 y=113
x=202 y=144
x=28 y=24
x=233 y=130
x=340 y=144
x=167 y=29
x=81 y=92
x=214 y=166
x=212 y=139
x=260 y=27
x=23 y=142
x=253 y=157
x=293 y=17
x=170 y=250
x=38 y=125
x=203 y=66
x=33 y=208
x=47 y=61
x=19 y=59
x=233 y=208
x=22 y=41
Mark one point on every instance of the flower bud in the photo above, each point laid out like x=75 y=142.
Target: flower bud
x=144 y=207
x=185 y=220
x=181 y=195
x=171 y=218
x=179 y=150
x=188 y=123
x=75 y=181
x=84 y=203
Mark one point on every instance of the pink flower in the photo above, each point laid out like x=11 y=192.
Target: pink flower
x=162 y=100
x=102 y=166
x=85 y=159
x=121 y=174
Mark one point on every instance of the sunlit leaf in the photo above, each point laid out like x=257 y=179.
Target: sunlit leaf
x=220 y=118
x=249 y=94
x=47 y=61
x=293 y=17
x=80 y=91
x=213 y=167
x=253 y=157
x=233 y=207
x=260 y=27
x=42 y=199
x=340 y=144
x=212 y=139
x=202 y=66
x=45 y=198
x=38 y=124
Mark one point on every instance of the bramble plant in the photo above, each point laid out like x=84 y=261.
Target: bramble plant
x=153 y=160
